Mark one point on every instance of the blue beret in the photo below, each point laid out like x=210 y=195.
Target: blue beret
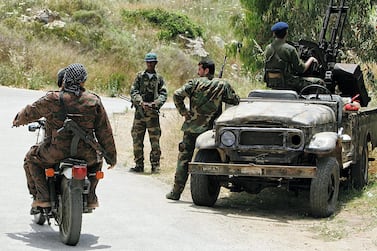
x=279 y=26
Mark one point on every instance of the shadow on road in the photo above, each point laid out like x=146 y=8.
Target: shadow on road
x=276 y=204
x=47 y=238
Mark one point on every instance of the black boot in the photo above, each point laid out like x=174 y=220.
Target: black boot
x=137 y=169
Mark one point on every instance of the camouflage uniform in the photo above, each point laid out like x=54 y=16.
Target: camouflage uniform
x=283 y=56
x=147 y=88
x=88 y=111
x=205 y=98
x=47 y=138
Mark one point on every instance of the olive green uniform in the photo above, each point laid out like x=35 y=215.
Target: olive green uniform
x=147 y=88
x=282 y=56
x=205 y=96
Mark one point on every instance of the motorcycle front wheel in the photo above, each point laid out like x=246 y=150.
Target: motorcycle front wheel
x=71 y=207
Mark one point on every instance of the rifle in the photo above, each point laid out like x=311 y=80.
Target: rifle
x=222 y=68
x=126 y=98
x=71 y=126
x=220 y=108
x=138 y=108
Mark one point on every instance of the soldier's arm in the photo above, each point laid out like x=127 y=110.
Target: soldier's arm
x=136 y=97
x=40 y=108
x=162 y=94
x=180 y=95
x=297 y=64
x=230 y=96
x=104 y=134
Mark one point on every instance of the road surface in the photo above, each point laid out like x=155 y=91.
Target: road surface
x=133 y=212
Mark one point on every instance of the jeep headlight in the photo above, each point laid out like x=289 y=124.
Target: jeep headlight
x=228 y=138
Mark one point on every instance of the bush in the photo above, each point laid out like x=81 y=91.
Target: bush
x=87 y=17
x=116 y=84
x=171 y=24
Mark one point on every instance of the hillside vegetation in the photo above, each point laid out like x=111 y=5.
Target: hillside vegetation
x=111 y=38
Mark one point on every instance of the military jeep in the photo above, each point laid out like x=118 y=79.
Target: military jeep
x=281 y=138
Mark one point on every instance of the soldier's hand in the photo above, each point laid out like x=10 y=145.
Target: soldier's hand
x=146 y=106
x=110 y=166
x=187 y=116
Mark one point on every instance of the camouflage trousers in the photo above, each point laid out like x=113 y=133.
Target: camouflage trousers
x=186 y=150
x=139 y=127
x=45 y=155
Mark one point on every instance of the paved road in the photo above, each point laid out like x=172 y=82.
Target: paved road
x=134 y=215
x=133 y=212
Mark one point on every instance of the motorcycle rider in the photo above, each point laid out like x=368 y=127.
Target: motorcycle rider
x=87 y=111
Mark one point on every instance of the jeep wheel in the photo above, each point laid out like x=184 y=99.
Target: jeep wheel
x=324 y=189
x=205 y=188
x=359 y=171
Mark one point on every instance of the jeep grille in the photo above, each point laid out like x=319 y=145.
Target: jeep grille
x=265 y=138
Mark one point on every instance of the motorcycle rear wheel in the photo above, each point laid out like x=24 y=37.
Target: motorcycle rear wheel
x=71 y=207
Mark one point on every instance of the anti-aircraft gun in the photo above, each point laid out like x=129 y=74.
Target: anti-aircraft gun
x=341 y=78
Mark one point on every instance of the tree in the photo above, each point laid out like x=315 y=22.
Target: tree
x=305 y=19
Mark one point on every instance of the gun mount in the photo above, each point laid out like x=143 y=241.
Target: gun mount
x=341 y=78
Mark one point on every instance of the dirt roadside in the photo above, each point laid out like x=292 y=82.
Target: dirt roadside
x=273 y=211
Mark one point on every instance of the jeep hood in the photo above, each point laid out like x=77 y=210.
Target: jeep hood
x=294 y=113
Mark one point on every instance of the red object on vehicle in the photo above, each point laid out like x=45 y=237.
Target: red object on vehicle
x=352 y=106
x=79 y=172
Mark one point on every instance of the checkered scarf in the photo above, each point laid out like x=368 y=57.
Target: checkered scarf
x=75 y=74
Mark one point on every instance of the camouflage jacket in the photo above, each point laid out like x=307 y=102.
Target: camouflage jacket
x=145 y=89
x=205 y=97
x=87 y=110
x=283 y=56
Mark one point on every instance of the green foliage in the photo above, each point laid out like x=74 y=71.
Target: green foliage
x=72 y=6
x=116 y=84
x=305 y=19
x=171 y=24
x=88 y=17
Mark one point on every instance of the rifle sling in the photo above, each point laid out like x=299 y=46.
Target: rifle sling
x=76 y=136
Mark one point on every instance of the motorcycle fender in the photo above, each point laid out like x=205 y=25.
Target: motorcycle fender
x=322 y=143
x=67 y=172
x=206 y=140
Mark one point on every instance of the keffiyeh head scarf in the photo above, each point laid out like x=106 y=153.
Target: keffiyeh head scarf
x=75 y=74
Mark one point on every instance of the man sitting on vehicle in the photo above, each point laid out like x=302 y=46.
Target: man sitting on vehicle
x=283 y=64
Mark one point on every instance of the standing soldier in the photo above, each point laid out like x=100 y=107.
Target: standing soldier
x=148 y=94
x=206 y=95
x=87 y=111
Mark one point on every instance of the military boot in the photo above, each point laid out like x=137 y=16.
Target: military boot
x=175 y=193
x=155 y=168
x=137 y=169
x=92 y=197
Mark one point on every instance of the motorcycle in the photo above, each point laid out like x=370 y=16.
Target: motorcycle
x=68 y=186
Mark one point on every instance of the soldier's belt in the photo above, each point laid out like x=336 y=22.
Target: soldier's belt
x=274 y=75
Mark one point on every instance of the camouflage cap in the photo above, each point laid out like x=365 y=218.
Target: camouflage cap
x=151 y=57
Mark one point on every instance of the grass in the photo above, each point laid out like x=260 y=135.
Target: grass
x=110 y=43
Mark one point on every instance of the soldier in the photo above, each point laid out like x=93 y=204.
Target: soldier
x=87 y=111
x=47 y=138
x=283 y=64
x=148 y=94
x=205 y=94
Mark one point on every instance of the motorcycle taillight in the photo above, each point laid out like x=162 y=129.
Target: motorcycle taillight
x=79 y=172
